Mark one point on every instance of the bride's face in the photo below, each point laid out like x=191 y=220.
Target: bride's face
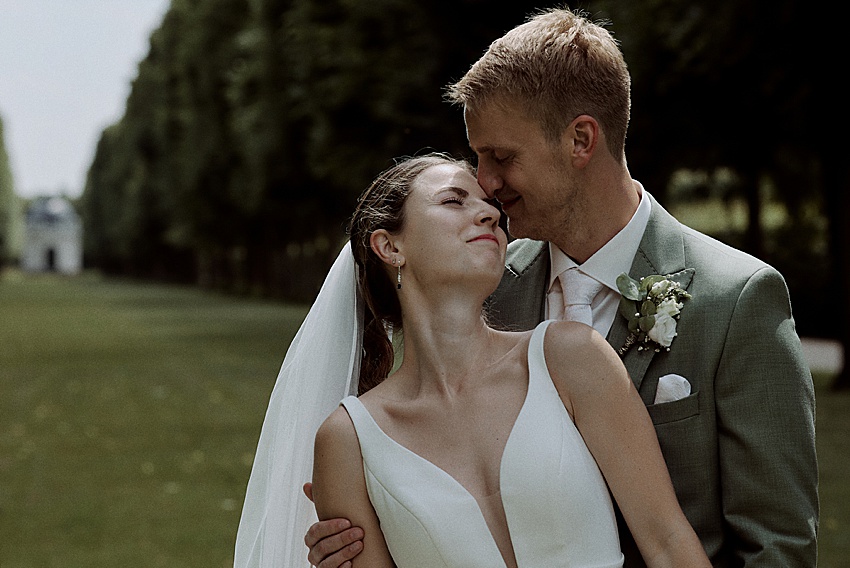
x=451 y=230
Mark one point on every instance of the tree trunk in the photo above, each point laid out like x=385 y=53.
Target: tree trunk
x=754 y=236
x=836 y=189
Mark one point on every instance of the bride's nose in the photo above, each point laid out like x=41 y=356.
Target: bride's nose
x=488 y=215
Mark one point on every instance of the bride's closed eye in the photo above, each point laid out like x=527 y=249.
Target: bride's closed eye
x=455 y=200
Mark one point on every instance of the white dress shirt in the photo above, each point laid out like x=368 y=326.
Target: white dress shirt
x=606 y=264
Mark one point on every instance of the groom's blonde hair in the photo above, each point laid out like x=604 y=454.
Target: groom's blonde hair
x=556 y=66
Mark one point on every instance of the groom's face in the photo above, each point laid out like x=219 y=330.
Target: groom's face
x=521 y=168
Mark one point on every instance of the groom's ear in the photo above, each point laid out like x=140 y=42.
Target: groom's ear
x=580 y=139
x=383 y=245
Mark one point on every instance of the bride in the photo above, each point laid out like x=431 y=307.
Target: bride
x=484 y=447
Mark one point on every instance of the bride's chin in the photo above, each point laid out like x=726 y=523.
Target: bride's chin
x=491 y=280
x=478 y=275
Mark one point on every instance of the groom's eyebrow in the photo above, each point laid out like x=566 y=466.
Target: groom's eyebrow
x=482 y=150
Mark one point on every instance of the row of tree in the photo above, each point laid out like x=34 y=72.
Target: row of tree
x=253 y=124
x=10 y=208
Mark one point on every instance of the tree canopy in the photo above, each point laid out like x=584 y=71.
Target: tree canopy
x=253 y=124
x=10 y=207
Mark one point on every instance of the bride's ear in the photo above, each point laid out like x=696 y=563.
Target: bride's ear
x=384 y=246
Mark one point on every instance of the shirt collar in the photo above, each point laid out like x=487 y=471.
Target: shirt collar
x=615 y=256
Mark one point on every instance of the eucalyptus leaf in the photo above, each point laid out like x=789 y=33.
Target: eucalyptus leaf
x=648 y=308
x=628 y=287
x=628 y=309
x=646 y=323
x=647 y=283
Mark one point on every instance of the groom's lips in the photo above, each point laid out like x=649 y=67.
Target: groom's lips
x=507 y=203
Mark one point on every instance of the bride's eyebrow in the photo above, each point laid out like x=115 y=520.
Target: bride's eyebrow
x=458 y=191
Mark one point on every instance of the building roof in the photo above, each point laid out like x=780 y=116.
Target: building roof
x=51 y=210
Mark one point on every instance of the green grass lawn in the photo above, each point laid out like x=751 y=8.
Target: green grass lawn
x=833 y=438
x=129 y=414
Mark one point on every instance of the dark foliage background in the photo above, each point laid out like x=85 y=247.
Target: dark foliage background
x=253 y=124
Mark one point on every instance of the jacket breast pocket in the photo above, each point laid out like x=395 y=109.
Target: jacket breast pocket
x=674 y=411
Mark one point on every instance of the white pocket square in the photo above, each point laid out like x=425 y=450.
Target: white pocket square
x=672 y=387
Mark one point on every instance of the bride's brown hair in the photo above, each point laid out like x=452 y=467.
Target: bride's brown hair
x=381 y=206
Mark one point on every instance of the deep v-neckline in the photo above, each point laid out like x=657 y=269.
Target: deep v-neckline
x=457 y=484
x=430 y=519
x=407 y=450
x=513 y=428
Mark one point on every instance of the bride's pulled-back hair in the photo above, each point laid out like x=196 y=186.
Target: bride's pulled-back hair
x=381 y=206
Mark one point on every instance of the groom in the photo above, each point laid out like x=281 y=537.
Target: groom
x=546 y=110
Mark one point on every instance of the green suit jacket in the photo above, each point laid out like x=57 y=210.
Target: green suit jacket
x=741 y=448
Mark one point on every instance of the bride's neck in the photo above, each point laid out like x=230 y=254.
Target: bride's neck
x=444 y=343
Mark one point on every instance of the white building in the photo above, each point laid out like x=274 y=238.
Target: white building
x=53 y=237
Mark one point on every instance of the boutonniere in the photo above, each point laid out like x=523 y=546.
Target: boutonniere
x=652 y=307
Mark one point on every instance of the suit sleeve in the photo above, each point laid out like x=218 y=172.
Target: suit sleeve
x=765 y=411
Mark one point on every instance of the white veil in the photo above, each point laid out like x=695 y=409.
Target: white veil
x=320 y=368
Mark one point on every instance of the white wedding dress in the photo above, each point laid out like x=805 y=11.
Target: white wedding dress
x=557 y=505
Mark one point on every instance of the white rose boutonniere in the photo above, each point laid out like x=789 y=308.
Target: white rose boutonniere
x=652 y=307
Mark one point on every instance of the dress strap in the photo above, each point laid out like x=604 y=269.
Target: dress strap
x=361 y=418
x=536 y=358
x=367 y=429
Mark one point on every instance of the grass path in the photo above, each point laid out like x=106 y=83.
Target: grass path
x=129 y=414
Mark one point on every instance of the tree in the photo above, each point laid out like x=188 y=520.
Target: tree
x=830 y=141
x=253 y=124
x=10 y=207
x=733 y=85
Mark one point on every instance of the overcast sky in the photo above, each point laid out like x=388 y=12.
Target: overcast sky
x=65 y=73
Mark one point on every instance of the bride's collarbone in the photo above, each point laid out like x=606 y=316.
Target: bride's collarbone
x=465 y=429
x=414 y=402
x=502 y=355
x=413 y=387
x=466 y=438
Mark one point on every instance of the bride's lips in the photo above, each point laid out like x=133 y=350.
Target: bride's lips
x=485 y=237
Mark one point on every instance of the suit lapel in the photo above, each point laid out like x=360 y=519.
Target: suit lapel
x=636 y=362
x=520 y=301
x=661 y=251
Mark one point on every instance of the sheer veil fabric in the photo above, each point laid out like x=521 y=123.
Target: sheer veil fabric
x=319 y=370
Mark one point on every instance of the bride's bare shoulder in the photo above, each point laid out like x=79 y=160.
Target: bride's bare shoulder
x=572 y=336
x=575 y=352
x=561 y=337
x=337 y=430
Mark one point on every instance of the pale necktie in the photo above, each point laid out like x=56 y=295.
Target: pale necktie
x=579 y=289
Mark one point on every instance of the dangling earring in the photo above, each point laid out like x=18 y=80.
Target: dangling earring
x=398 y=277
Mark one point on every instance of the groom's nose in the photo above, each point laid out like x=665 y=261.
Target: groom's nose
x=488 y=178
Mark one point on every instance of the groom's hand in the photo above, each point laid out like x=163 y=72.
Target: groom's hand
x=332 y=543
